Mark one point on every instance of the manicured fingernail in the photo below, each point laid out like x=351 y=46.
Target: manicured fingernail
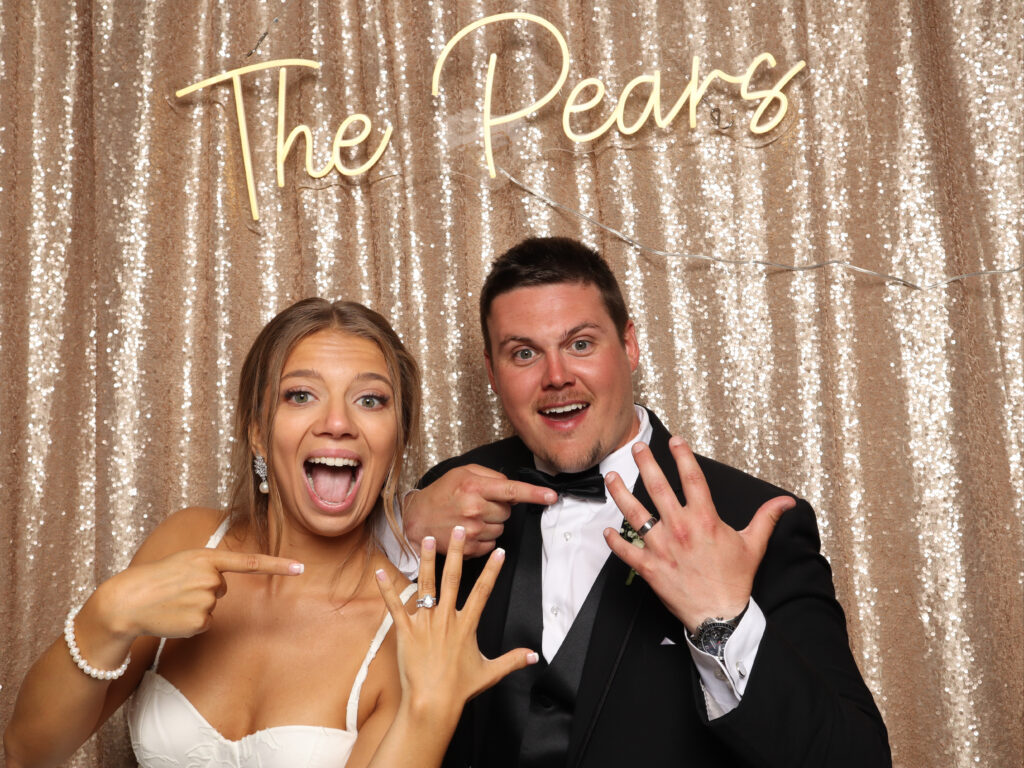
x=458 y=533
x=550 y=497
x=611 y=477
x=380 y=575
x=676 y=442
x=429 y=543
x=638 y=447
x=532 y=657
x=296 y=568
x=499 y=554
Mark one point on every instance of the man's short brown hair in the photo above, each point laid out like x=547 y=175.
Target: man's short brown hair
x=549 y=261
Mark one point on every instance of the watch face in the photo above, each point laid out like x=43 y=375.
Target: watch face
x=713 y=637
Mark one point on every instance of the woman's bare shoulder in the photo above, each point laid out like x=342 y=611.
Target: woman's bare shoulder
x=188 y=528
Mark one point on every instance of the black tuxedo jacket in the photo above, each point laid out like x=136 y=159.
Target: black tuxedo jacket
x=640 y=702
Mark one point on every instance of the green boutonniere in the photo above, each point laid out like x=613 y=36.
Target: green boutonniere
x=629 y=534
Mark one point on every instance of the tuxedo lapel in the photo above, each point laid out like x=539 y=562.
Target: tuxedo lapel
x=495 y=614
x=509 y=620
x=663 y=455
x=616 y=616
x=617 y=613
x=492 y=620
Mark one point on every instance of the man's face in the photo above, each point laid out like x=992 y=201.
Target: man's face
x=563 y=373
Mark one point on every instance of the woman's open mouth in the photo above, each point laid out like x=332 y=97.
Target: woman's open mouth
x=332 y=481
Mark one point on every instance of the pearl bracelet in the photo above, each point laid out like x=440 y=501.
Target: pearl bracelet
x=76 y=655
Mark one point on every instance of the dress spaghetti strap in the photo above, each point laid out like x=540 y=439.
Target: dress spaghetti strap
x=352 y=712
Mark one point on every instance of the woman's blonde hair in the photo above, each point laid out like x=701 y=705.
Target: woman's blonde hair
x=259 y=396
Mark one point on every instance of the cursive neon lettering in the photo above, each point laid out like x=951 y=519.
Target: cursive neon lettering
x=586 y=96
x=589 y=92
x=285 y=144
x=652 y=100
x=770 y=96
x=490 y=120
x=340 y=142
x=235 y=76
x=572 y=108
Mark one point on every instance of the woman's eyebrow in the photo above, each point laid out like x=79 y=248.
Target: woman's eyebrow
x=310 y=373
x=372 y=376
x=302 y=373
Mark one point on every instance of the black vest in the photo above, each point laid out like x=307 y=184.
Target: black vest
x=530 y=712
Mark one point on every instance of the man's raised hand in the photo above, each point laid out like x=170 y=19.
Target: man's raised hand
x=698 y=565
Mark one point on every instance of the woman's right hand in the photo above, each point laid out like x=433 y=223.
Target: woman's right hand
x=175 y=596
x=440 y=663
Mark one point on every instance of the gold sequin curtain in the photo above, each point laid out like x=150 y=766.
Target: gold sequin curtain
x=134 y=278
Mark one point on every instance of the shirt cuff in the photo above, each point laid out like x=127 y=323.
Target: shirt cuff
x=725 y=681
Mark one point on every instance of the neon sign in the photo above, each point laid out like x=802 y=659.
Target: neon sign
x=586 y=96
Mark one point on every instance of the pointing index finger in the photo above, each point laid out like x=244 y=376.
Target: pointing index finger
x=244 y=562
x=518 y=492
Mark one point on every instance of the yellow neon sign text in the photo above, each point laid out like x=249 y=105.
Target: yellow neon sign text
x=586 y=96
x=692 y=94
x=284 y=145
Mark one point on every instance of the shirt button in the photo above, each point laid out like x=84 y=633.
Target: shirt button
x=554 y=610
x=720 y=674
x=567 y=536
x=741 y=669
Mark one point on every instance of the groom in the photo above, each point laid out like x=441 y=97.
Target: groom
x=719 y=642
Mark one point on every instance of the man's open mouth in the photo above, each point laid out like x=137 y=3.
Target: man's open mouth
x=332 y=479
x=563 y=412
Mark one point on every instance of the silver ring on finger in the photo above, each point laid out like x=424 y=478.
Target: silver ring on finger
x=427 y=601
x=644 y=529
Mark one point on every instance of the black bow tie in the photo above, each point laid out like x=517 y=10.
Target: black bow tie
x=587 y=484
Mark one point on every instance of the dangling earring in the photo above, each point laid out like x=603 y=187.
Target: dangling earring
x=259 y=464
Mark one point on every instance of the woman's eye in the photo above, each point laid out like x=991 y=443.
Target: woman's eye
x=298 y=396
x=373 y=401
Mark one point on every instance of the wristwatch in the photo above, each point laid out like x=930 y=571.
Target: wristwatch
x=713 y=633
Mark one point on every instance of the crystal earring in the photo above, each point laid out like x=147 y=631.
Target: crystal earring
x=259 y=464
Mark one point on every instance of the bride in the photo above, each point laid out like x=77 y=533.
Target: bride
x=260 y=636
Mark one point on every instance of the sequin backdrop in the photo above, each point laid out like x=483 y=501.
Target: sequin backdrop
x=133 y=279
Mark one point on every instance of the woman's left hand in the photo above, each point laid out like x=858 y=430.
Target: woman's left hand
x=440 y=663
